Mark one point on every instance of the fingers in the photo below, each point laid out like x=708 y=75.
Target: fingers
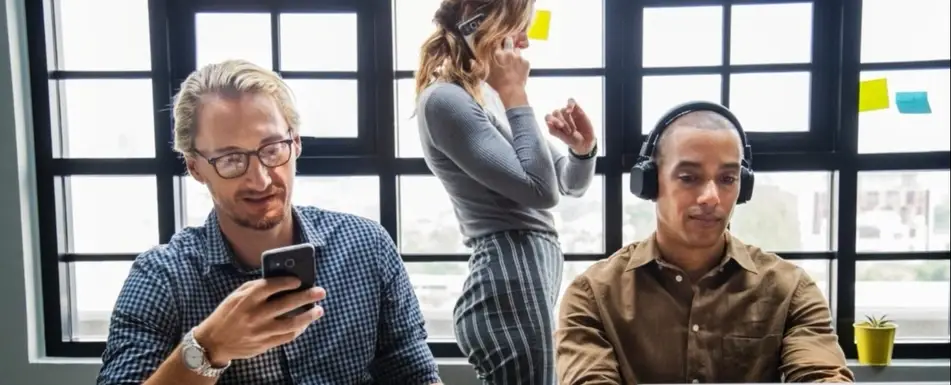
x=266 y=287
x=294 y=326
x=292 y=301
x=560 y=120
x=575 y=110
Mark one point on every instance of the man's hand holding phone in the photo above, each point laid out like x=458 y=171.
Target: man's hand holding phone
x=508 y=73
x=247 y=324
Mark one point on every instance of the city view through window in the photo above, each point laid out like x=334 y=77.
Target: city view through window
x=792 y=211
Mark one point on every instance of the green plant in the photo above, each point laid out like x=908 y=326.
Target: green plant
x=878 y=322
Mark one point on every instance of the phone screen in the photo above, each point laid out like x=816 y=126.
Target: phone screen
x=292 y=261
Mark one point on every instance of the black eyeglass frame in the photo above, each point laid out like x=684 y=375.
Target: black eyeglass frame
x=247 y=158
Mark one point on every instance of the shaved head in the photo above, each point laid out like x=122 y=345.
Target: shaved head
x=702 y=120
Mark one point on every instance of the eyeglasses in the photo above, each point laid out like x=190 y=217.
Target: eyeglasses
x=235 y=164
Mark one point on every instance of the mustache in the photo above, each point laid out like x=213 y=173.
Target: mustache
x=706 y=215
x=260 y=194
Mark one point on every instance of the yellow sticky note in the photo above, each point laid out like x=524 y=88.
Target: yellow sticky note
x=873 y=95
x=540 y=24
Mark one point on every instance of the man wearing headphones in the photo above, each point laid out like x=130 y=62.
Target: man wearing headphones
x=692 y=303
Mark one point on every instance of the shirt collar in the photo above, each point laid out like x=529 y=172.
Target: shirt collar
x=647 y=251
x=218 y=251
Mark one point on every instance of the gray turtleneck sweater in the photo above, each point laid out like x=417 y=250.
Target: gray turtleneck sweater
x=497 y=165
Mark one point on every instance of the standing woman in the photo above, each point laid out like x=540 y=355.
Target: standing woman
x=481 y=139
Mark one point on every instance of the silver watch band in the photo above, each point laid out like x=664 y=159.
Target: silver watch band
x=202 y=366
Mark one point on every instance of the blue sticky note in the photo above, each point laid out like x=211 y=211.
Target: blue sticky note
x=912 y=102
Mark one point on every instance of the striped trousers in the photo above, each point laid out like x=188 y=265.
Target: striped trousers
x=504 y=319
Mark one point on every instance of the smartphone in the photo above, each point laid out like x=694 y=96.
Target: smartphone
x=291 y=261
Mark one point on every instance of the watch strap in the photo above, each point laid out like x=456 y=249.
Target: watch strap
x=206 y=369
x=593 y=153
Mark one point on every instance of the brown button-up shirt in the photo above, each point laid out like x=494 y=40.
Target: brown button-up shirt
x=632 y=318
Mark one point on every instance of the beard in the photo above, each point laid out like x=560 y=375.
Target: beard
x=256 y=216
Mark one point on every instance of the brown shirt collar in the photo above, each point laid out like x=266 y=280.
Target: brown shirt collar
x=647 y=251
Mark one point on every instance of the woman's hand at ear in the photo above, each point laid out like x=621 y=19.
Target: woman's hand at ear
x=572 y=126
x=508 y=73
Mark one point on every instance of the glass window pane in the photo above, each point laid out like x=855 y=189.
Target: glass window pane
x=790 y=211
x=901 y=30
x=903 y=211
x=328 y=108
x=888 y=131
x=90 y=42
x=819 y=271
x=913 y=294
x=771 y=33
x=640 y=216
x=580 y=221
x=112 y=214
x=336 y=193
x=318 y=42
x=666 y=43
x=359 y=195
x=412 y=25
x=569 y=46
x=661 y=93
x=427 y=223
x=407 y=125
x=97 y=124
x=97 y=287
x=545 y=94
x=758 y=99
x=438 y=286
x=224 y=36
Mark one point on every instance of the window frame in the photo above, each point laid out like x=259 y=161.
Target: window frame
x=829 y=145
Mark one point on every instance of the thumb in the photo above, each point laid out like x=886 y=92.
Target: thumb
x=574 y=109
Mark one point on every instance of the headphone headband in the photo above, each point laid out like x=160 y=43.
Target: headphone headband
x=648 y=149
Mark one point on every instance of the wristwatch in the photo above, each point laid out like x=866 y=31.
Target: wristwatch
x=196 y=358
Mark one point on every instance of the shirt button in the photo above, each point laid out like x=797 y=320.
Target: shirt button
x=679 y=278
x=695 y=328
x=696 y=381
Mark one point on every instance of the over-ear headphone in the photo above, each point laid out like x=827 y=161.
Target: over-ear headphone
x=644 y=172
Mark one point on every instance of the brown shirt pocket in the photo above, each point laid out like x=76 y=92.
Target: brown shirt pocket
x=750 y=358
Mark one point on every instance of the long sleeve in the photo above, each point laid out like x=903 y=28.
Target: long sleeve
x=811 y=351
x=574 y=175
x=583 y=353
x=461 y=129
x=143 y=330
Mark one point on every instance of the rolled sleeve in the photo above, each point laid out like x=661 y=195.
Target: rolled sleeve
x=402 y=355
x=142 y=327
x=811 y=351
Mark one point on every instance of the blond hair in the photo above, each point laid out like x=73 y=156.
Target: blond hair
x=230 y=78
x=444 y=56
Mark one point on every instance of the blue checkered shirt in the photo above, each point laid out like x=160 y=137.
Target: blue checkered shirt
x=372 y=331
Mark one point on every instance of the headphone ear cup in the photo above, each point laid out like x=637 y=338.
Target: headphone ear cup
x=644 y=180
x=746 y=185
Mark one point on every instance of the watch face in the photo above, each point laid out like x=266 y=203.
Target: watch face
x=194 y=357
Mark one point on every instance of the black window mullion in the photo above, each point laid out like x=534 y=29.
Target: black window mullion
x=847 y=145
x=375 y=28
x=161 y=99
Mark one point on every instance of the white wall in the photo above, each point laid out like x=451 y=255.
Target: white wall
x=22 y=358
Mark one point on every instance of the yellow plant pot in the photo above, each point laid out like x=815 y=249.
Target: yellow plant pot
x=874 y=345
